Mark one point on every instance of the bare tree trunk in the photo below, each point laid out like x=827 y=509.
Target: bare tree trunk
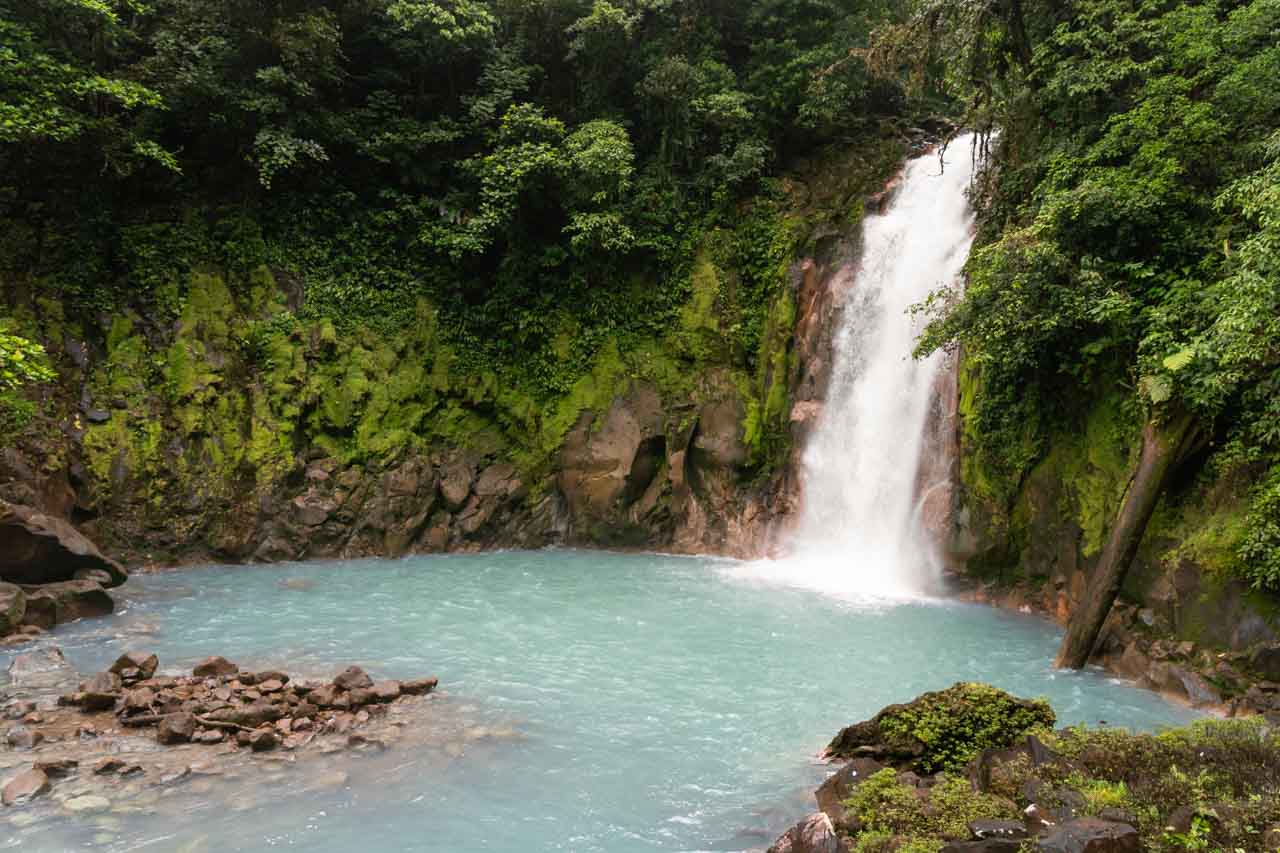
x=1164 y=445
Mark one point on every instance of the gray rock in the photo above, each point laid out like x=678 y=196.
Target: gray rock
x=1090 y=835
x=90 y=804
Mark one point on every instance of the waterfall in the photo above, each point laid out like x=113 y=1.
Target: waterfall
x=864 y=472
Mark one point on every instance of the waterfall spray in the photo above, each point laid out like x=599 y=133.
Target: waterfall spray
x=859 y=534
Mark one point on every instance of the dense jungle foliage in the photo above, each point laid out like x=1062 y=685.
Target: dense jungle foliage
x=1131 y=229
x=541 y=174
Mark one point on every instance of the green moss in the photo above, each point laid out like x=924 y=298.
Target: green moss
x=955 y=724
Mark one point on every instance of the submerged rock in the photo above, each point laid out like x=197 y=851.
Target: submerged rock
x=25 y=786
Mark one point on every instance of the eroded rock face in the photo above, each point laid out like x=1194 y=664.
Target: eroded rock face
x=13 y=606
x=36 y=548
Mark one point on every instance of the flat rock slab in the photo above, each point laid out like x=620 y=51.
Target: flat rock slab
x=25 y=786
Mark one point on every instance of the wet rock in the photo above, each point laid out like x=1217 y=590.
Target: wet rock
x=65 y=601
x=90 y=804
x=249 y=716
x=418 y=686
x=38 y=549
x=262 y=740
x=325 y=697
x=1090 y=835
x=814 y=834
x=25 y=786
x=143 y=662
x=214 y=666
x=41 y=669
x=58 y=768
x=100 y=692
x=351 y=678
x=13 y=606
x=210 y=736
x=176 y=728
x=362 y=696
x=386 y=691
x=22 y=737
x=109 y=764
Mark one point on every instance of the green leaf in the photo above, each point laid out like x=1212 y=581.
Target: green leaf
x=1179 y=359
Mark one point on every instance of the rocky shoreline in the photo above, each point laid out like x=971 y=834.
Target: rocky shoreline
x=972 y=769
x=131 y=728
x=1231 y=683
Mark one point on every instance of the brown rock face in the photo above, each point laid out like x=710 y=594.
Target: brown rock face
x=13 y=606
x=36 y=548
x=418 y=686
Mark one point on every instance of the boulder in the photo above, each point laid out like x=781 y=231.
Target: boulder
x=100 y=692
x=262 y=740
x=455 y=483
x=52 y=604
x=1266 y=660
x=214 y=666
x=36 y=549
x=324 y=697
x=983 y=845
x=13 y=606
x=25 y=786
x=351 y=678
x=1008 y=830
x=176 y=728
x=814 y=834
x=144 y=662
x=1090 y=835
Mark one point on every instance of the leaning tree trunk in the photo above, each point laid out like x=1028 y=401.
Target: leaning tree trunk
x=1164 y=445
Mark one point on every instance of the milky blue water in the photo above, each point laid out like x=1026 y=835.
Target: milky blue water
x=590 y=701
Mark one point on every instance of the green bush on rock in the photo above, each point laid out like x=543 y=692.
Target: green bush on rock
x=943 y=730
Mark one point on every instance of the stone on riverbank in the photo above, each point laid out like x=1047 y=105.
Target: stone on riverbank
x=25 y=786
x=214 y=666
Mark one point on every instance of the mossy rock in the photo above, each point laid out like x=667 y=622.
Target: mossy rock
x=943 y=730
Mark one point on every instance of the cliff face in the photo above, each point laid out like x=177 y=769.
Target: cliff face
x=231 y=424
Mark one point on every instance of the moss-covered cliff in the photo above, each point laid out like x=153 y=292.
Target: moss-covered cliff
x=216 y=408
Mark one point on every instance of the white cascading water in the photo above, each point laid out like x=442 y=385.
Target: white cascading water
x=859 y=535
